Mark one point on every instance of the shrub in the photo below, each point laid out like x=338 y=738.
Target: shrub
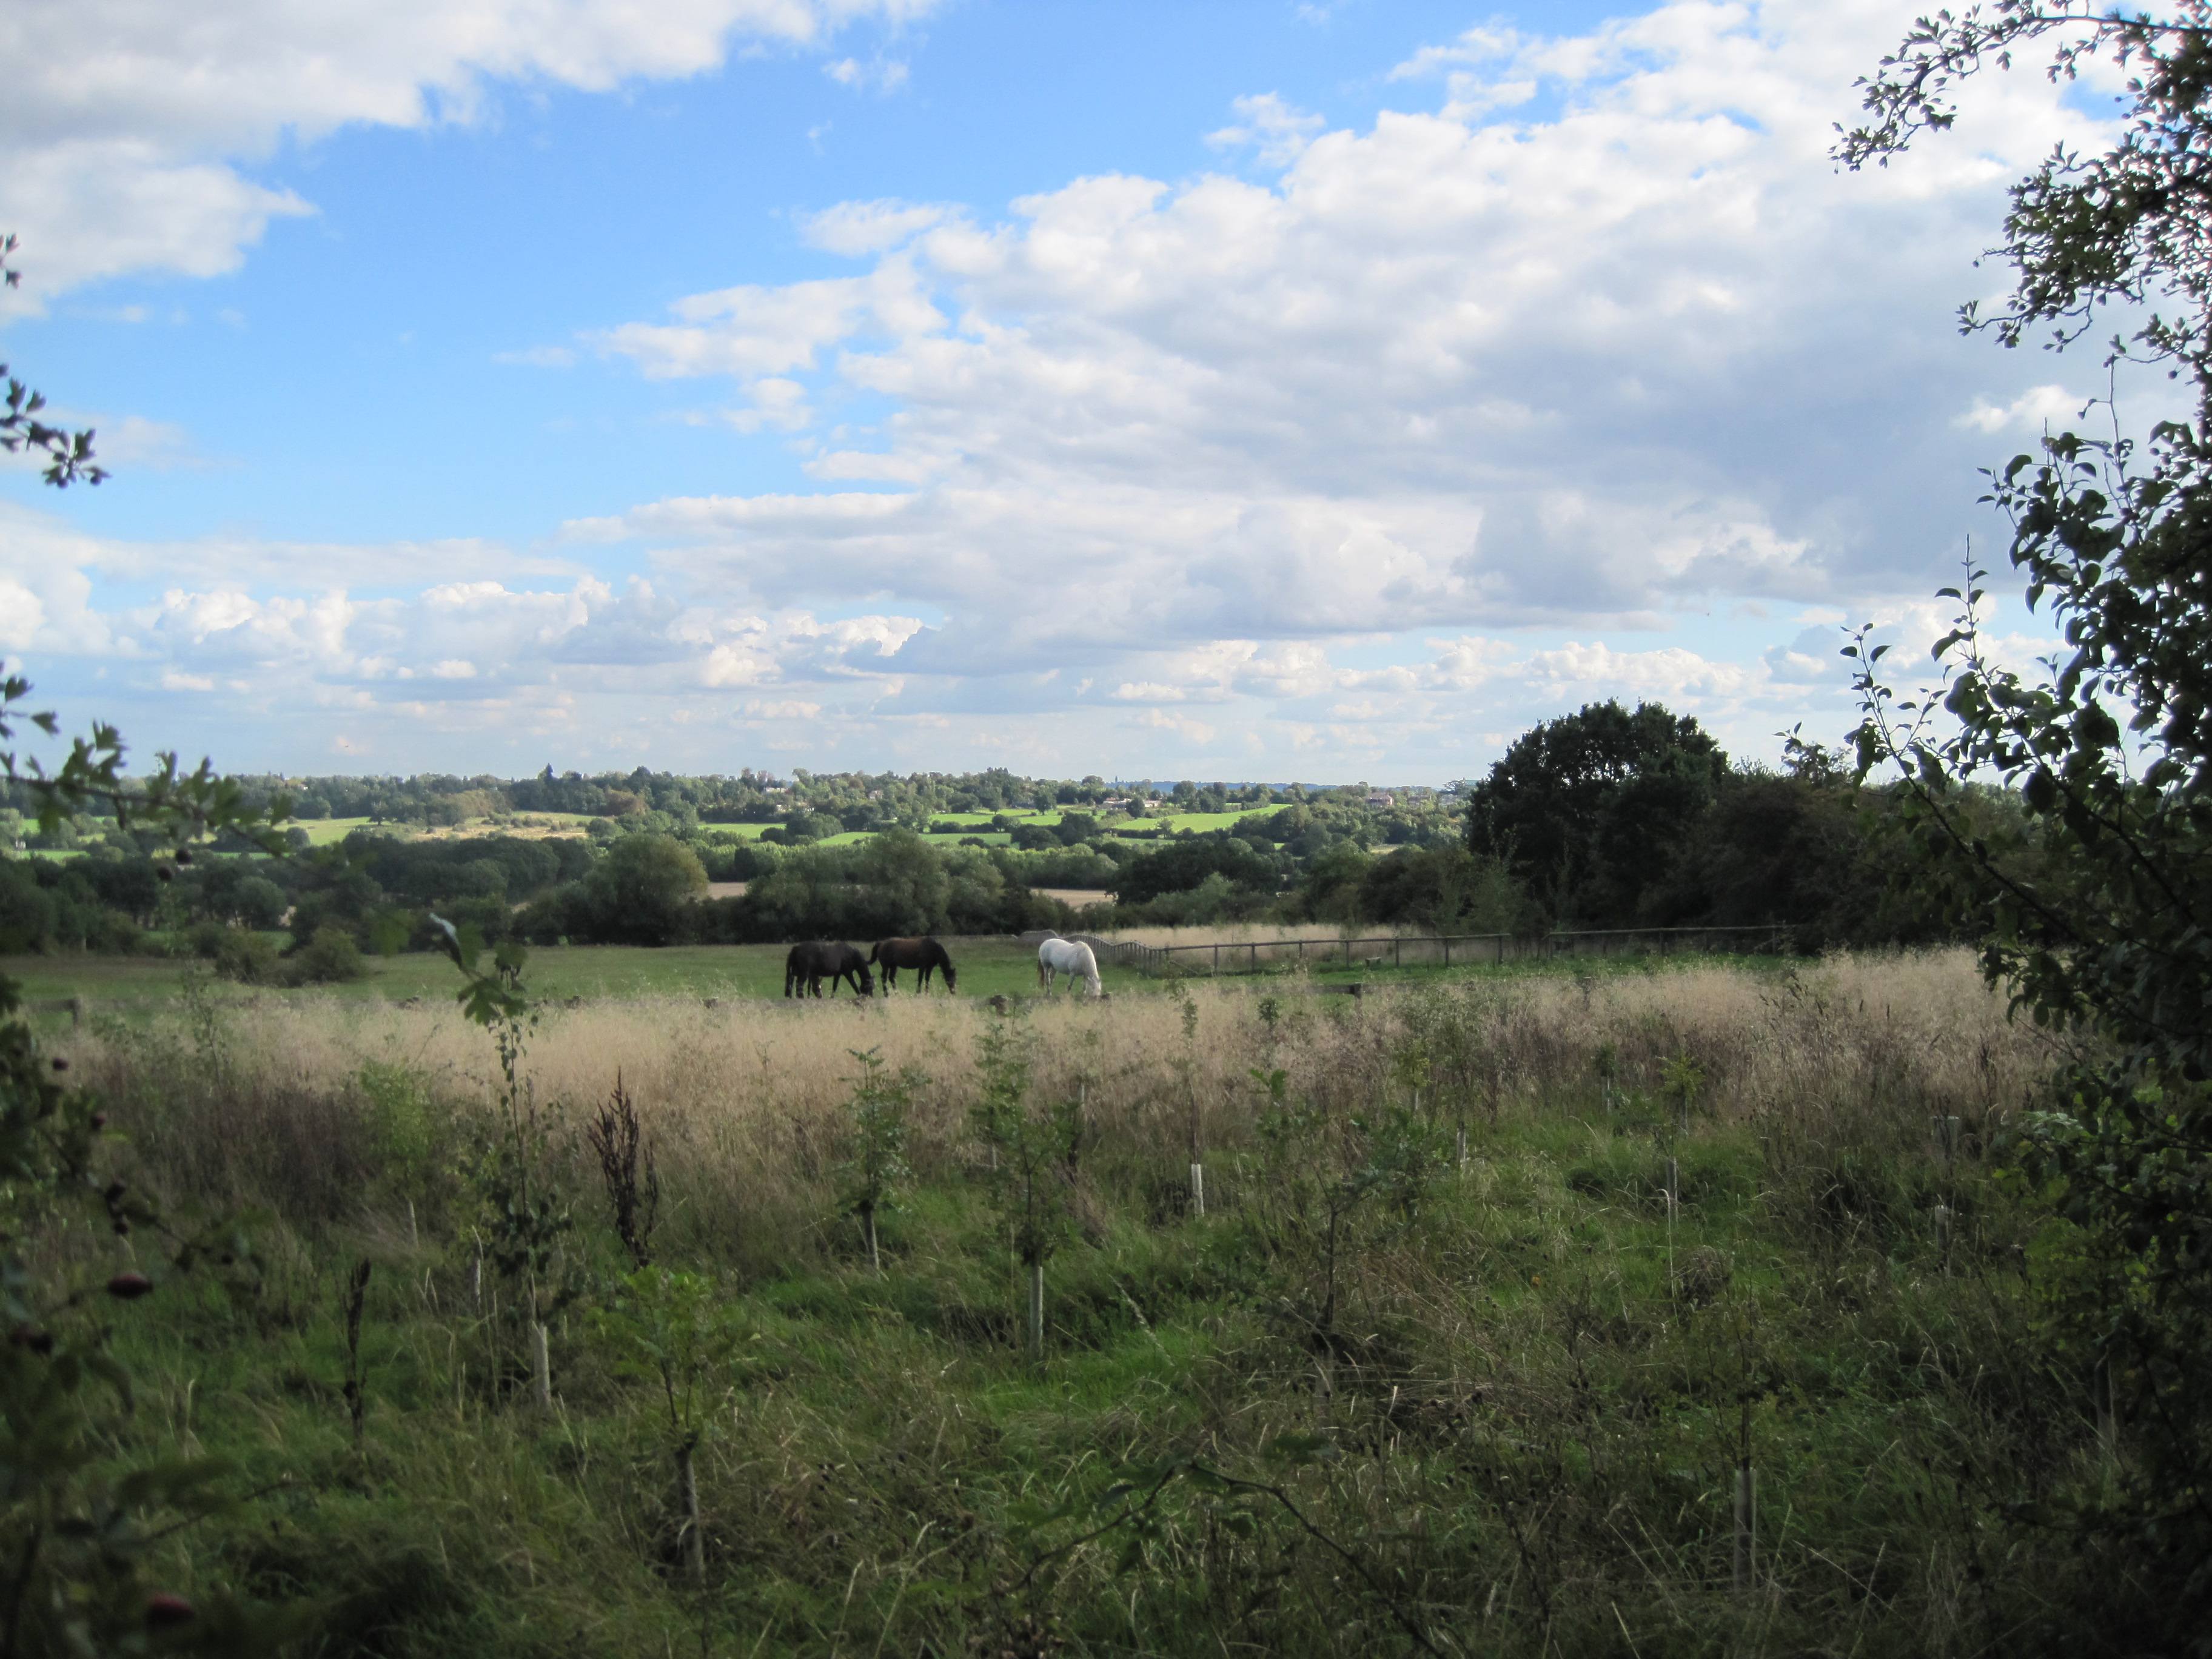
x=248 y=957
x=330 y=958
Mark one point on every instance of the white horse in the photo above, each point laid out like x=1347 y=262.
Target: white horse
x=1071 y=956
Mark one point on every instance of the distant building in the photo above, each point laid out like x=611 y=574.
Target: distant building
x=1381 y=797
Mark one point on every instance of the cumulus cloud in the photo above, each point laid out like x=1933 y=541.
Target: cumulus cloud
x=124 y=124
x=1458 y=369
x=1451 y=419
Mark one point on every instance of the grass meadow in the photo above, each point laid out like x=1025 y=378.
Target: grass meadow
x=1393 y=1392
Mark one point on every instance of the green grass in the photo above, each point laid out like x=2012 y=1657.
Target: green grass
x=1201 y=823
x=986 y=968
x=884 y=1469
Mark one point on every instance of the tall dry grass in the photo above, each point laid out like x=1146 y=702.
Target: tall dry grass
x=291 y=1105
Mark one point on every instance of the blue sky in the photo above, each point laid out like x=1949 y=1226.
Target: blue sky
x=1230 y=388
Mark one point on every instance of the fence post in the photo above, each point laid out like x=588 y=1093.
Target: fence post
x=540 y=1368
x=1745 y=1497
x=1037 y=1313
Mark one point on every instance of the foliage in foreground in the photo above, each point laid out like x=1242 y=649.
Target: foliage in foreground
x=2110 y=746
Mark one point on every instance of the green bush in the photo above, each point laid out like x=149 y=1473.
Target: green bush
x=249 y=958
x=330 y=958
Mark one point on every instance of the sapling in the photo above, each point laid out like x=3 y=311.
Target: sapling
x=1030 y=1183
x=1682 y=1078
x=676 y=1329
x=1606 y=1064
x=1391 y=1155
x=877 y=1166
x=523 y=1214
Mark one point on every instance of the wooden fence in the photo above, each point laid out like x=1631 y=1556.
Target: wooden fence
x=1444 y=949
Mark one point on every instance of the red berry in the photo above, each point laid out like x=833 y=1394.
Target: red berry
x=99 y=1120
x=60 y=1064
x=30 y=1336
x=166 y=1609
x=129 y=1288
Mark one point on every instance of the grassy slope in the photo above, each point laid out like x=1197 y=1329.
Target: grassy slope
x=1540 y=1386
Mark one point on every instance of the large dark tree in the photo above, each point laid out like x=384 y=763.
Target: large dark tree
x=1586 y=810
x=2110 y=750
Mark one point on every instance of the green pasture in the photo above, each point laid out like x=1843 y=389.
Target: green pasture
x=986 y=967
x=1199 y=822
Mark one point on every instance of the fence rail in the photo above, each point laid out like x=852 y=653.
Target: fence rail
x=1446 y=948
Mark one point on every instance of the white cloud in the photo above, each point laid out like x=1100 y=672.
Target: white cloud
x=2039 y=408
x=122 y=121
x=1279 y=132
x=879 y=74
x=858 y=227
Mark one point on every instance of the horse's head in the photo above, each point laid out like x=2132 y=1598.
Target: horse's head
x=868 y=981
x=950 y=979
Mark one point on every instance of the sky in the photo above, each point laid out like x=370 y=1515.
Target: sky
x=1238 y=389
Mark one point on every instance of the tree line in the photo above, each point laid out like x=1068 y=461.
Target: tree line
x=1609 y=817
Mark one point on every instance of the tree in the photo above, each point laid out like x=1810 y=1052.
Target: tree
x=638 y=890
x=2109 y=745
x=1184 y=864
x=1586 y=808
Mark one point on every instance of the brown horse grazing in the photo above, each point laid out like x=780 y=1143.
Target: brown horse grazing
x=809 y=964
x=922 y=955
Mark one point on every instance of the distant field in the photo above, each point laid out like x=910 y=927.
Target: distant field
x=1199 y=822
x=326 y=832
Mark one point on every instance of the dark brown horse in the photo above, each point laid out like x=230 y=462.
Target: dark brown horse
x=922 y=955
x=809 y=964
